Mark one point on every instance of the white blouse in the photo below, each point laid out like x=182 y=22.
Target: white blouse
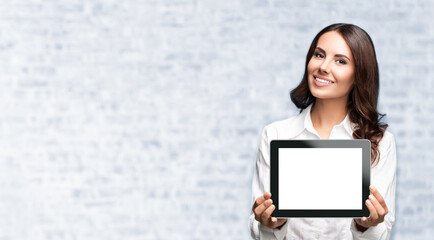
x=383 y=177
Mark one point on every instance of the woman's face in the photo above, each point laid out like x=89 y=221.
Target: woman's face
x=331 y=68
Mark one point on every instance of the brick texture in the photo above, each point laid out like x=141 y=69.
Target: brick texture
x=141 y=119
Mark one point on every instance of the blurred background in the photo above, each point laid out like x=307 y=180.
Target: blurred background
x=141 y=119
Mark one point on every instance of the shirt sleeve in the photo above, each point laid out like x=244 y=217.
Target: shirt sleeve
x=383 y=177
x=260 y=185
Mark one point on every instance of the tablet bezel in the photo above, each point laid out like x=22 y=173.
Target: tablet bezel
x=366 y=177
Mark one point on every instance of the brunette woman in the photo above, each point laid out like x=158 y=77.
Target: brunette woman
x=337 y=98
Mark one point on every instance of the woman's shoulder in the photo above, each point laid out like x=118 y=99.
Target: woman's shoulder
x=387 y=149
x=387 y=141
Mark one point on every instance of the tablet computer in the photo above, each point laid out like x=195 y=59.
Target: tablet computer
x=320 y=178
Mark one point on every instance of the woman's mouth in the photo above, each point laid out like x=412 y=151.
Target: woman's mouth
x=322 y=82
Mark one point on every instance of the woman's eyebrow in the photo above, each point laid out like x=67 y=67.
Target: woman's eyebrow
x=337 y=55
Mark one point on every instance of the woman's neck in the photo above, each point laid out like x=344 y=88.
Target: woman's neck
x=326 y=113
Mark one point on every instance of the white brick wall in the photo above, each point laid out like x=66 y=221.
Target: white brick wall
x=141 y=119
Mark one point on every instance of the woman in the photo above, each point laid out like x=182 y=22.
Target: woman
x=338 y=100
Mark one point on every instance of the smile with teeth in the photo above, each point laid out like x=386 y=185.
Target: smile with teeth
x=323 y=81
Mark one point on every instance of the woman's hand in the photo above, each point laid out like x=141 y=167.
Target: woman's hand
x=263 y=208
x=377 y=207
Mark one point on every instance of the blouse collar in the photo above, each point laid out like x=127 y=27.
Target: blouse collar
x=304 y=122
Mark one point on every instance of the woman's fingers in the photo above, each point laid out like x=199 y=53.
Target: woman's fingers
x=267 y=195
x=379 y=198
x=374 y=214
x=378 y=207
x=261 y=208
x=265 y=217
x=261 y=204
x=261 y=199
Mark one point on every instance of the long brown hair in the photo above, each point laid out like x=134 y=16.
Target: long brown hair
x=362 y=101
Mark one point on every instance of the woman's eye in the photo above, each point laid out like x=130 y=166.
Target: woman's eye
x=341 y=61
x=318 y=55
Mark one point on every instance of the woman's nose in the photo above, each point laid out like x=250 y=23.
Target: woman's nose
x=325 y=66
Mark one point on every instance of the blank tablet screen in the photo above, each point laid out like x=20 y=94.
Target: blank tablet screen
x=312 y=173
x=320 y=178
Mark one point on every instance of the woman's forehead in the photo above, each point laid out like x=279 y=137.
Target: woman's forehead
x=333 y=43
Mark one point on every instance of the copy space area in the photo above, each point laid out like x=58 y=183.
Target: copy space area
x=320 y=178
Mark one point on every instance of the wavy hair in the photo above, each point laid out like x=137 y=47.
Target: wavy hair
x=362 y=100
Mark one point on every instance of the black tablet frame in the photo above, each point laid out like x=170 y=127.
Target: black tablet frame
x=274 y=176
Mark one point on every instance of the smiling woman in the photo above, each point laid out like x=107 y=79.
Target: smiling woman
x=361 y=63
x=331 y=72
x=337 y=98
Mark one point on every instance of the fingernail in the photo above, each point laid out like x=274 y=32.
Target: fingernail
x=370 y=196
x=273 y=219
x=372 y=188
